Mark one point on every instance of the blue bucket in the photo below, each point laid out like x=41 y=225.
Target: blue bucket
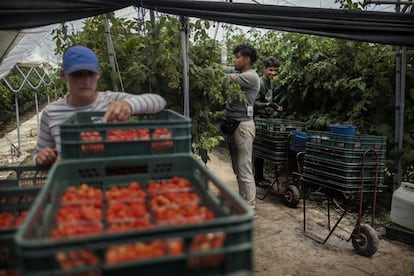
x=343 y=129
x=297 y=141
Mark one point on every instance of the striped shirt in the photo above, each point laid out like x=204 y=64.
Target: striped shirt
x=57 y=112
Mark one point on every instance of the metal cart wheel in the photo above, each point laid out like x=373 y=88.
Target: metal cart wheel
x=292 y=196
x=367 y=242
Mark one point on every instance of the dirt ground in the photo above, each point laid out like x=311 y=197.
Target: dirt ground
x=282 y=248
x=280 y=245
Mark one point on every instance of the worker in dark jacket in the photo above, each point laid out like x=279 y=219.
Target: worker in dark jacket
x=265 y=107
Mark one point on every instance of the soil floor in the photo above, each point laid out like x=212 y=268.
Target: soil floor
x=282 y=248
x=280 y=244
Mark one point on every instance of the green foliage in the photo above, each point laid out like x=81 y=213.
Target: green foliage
x=324 y=81
x=349 y=4
x=321 y=80
x=149 y=57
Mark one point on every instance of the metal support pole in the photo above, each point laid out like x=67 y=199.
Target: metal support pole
x=111 y=54
x=184 y=46
x=400 y=82
x=400 y=77
x=37 y=111
x=16 y=100
x=398 y=126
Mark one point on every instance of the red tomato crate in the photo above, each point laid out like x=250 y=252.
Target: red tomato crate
x=19 y=186
x=84 y=135
x=151 y=215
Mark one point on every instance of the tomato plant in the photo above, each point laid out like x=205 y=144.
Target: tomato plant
x=320 y=81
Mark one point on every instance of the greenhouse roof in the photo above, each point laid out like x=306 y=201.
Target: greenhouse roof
x=25 y=25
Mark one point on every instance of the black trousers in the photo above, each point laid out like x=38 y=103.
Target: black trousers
x=258 y=168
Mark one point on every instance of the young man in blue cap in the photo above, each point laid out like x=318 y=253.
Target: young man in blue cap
x=81 y=73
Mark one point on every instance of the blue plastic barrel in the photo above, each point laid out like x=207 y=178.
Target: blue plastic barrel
x=297 y=141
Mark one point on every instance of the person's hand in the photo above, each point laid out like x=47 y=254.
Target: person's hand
x=276 y=106
x=118 y=111
x=46 y=156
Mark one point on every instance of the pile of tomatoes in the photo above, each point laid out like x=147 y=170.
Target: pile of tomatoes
x=96 y=146
x=169 y=202
x=11 y=219
x=89 y=210
x=161 y=139
x=165 y=142
x=4 y=272
x=17 y=199
x=13 y=216
x=117 y=135
x=15 y=203
x=78 y=259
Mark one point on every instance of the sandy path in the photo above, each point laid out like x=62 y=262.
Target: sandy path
x=9 y=143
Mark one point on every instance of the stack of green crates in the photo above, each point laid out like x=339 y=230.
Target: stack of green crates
x=106 y=164
x=18 y=189
x=42 y=255
x=271 y=142
x=345 y=162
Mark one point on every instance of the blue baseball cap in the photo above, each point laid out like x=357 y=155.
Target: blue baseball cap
x=80 y=58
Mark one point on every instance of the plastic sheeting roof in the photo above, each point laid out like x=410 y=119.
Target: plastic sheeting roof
x=381 y=27
x=369 y=26
x=29 y=47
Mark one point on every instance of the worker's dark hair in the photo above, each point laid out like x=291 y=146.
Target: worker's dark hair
x=271 y=62
x=246 y=50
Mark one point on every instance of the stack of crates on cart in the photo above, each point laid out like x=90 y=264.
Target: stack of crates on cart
x=19 y=185
x=130 y=197
x=345 y=162
x=271 y=142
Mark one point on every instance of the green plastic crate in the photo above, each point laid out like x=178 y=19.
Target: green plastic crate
x=270 y=144
x=344 y=170
x=268 y=154
x=23 y=176
x=8 y=258
x=339 y=157
x=282 y=125
x=344 y=156
x=272 y=134
x=83 y=135
x=346 y=177
x=397 y=232
x=335 y=161
x=348 y=142
x=14 y=205
x=347 y=166
x=234 y=218
x=19 y=187
x=345 y=188
x=272 y=138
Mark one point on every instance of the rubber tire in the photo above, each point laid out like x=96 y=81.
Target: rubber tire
x=292 y=196
x=369 y=242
